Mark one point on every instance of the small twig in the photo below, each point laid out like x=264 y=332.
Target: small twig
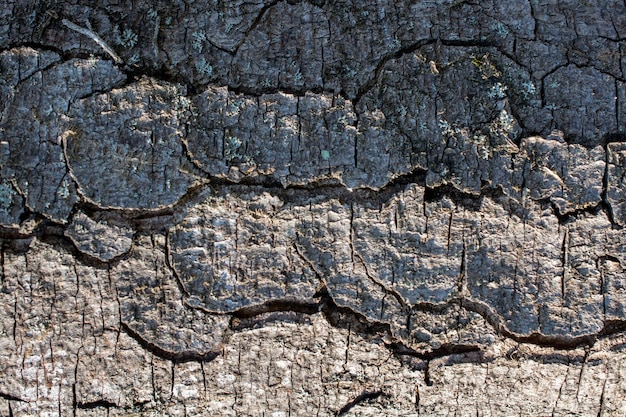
x=97 y=39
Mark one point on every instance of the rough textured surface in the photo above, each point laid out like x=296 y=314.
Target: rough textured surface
x=313 y=208
x=33 y=157
x=135 y=163
x=99 y=238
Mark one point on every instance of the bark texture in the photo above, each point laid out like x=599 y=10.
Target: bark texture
x=318 y=207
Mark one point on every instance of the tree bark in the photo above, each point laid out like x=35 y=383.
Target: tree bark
x=313 y=208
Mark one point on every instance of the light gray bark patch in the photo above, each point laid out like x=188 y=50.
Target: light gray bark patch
x=113 y=370
x=326 y=239
x=594 y=279
x=155 y=311
x=570 y=176
x=411 y=246
x=311 y=367
x=49 y=304
x=534 y=273
x=437 y=327
x=99 y=239
x=233 y=253
x=616 y=193
x=382 y=262
x=134 y=159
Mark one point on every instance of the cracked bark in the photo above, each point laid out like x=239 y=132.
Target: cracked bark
x=421 y=204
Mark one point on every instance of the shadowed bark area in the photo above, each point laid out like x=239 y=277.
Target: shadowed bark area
x=326 y=208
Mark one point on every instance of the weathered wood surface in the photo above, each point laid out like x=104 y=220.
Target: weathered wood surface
x=407 y=208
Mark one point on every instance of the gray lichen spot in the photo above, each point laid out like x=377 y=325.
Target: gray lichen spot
x=461 y=133
x=134 y=160
x=99 y=238
x=223 y=23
